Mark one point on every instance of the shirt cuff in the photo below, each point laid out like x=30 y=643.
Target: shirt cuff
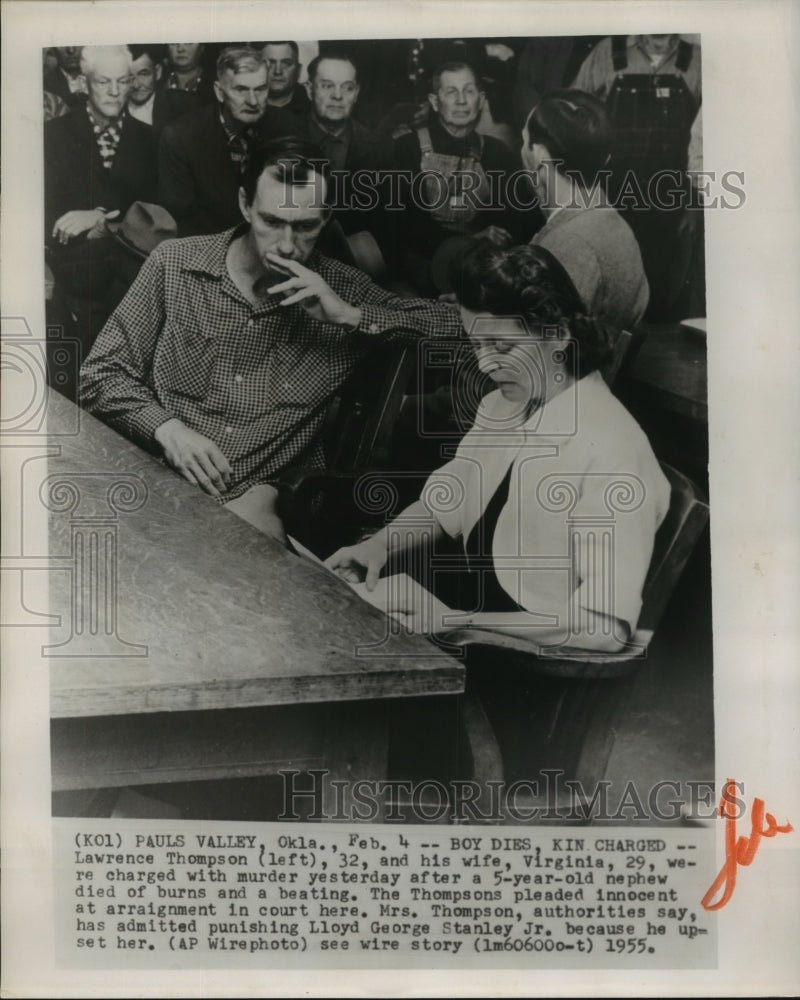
x=376 y=321
x=143 y=422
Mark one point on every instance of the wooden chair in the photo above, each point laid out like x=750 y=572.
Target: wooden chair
x=356 y=435
x=586 y=692
x=627 y=344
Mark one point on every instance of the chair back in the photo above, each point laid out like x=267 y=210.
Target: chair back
x=674 y=543
x=362 y=416
x=627 y=344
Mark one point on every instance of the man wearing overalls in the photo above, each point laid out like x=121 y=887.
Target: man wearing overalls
x=651 y=85
x=459 y=182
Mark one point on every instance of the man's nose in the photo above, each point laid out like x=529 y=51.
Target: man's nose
x=286 y=241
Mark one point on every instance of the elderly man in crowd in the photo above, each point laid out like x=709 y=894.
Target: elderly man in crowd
x=283 y=65
x=227 y=349
x=97 y=162
x=65 y=80
x=454 y=163
x=201 y=155
x=349 y=147
x=147 y=101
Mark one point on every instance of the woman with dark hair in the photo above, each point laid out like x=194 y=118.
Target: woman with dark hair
x=554 y=493
x=566 y=145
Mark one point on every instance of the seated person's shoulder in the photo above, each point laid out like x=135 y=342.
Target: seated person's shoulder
x=279 y=121
x=194 y=124
x=179 y=102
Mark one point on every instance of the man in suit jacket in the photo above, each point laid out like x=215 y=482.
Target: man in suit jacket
x=66 y=80
x=201 y=155
x=149 y=102
x=358 y=157
x=97 y=162
x=283 y=64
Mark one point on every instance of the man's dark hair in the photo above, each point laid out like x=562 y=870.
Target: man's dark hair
x=342 y=56
x=574 y=127
x=156 y=53
x=453 y=66
x=293 y=158
x=529 y=283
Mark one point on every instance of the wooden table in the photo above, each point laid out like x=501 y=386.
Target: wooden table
x=193 y=647
x=671 y=368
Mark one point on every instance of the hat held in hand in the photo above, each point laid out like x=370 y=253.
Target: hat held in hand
x=143 y=228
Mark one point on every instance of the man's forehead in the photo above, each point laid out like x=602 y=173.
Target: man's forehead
x=336 y=67
x=279 y=51
x=248 y=77
x=283 y=199
x=109 y=64
x=456 y=77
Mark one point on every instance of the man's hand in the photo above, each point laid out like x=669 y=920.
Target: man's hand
x=312 y=292
x=497 y=235
x=194 y=456
x=364 y=561
x=73 y=224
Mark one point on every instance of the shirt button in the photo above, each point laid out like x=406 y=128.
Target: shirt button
x=373 y=328
x=228 y=430
x=238 y=378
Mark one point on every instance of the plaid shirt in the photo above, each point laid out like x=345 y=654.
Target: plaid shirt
x=256 y=379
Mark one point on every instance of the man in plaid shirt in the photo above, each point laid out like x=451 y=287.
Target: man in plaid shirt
x=227 y=349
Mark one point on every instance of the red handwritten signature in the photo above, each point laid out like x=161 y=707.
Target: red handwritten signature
x=739 y=850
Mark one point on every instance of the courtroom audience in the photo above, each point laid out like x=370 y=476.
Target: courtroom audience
x=98 y=160
x=349 y=147
x=152 y=125
x=65 y=80
x=148 y=102
x=283 y=65
x=452 y=193
x=652 y=88
x=186 y=69
x=202 y=154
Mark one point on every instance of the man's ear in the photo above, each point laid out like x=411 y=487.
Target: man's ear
x=433 y=100
x=218 y=92
x=481 y=100
x=309 y=89
x=158 y=69
x=244 y=208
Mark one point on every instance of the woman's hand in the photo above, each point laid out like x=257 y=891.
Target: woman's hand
x=421 y=611
x=364 y=561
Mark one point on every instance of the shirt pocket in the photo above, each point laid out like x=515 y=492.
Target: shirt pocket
x=186 y=361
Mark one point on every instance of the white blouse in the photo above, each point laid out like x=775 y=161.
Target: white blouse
x=585 y=500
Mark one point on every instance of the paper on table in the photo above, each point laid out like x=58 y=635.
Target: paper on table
x=379 y=597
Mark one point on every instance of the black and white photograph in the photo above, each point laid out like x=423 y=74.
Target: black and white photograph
x=361 y=434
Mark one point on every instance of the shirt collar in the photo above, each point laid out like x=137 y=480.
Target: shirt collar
x=319 y=133
x=113 y=125
x=638 y=40
x=470 y=143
